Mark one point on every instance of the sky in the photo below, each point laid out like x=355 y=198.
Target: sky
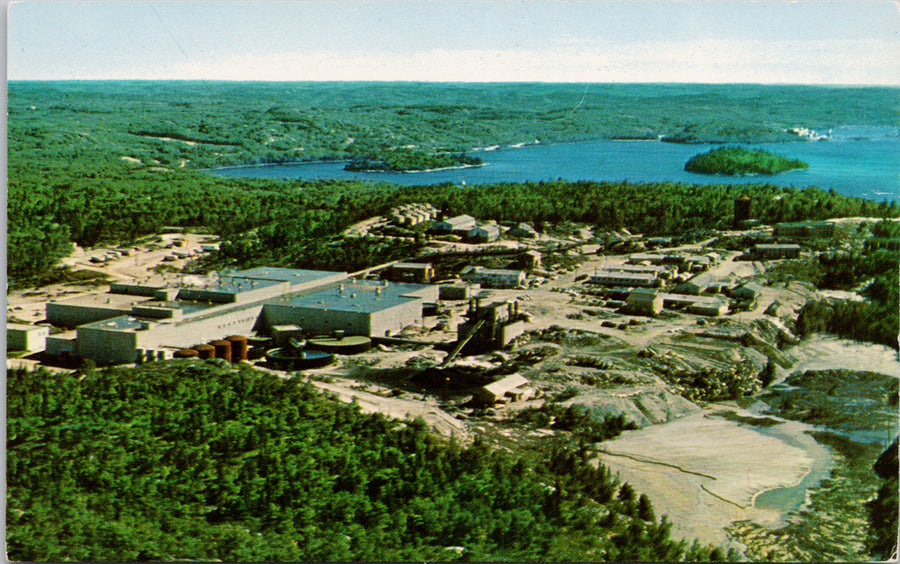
x=713 y=41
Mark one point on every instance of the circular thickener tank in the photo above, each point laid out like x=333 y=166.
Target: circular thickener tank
x=260 y=341
x=292 y=359
x=205 y=351
x=186 y=353
x=238 y=347
x=341 y=345
x=223 y=349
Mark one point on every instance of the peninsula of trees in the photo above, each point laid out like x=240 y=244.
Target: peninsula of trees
x=738 y=161
x=408 y=160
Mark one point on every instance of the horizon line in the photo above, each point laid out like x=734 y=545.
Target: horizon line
x=412 y=81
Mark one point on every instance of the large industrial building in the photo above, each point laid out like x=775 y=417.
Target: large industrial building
x=133 y=320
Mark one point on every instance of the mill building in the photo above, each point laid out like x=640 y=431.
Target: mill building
x=133 y=319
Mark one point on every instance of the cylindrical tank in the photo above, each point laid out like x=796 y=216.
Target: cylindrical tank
x=292 y=359
x=345 y=345
x=205 y=351
x=238 y=347
x=267 y=342
x=743 y=209
x=223 y=349
x=186 y=353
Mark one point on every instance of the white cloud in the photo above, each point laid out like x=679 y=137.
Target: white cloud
x=815 y=62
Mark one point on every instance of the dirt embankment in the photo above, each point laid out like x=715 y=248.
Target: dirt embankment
x=643 y=406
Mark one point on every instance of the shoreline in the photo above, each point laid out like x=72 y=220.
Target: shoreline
x=380 y=170
x=493 y=148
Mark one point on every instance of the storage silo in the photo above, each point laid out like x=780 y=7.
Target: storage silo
x=205 y=351
x=743 y=209
x=186 y=353
x=223 y=349
x=238 y=347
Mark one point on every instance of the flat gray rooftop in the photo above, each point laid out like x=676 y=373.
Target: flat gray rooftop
x=187 y=307
x=121 y=323
x=236 y=284
x=358 y=296
x=293 y=275
x=103 y=301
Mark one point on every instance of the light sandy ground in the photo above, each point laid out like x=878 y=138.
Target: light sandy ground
x=29 y=305
x=704 y=471
x=399 y=408
x=822 y=352
x=860 y=219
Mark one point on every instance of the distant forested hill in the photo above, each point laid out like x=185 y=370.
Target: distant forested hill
x=203 y=124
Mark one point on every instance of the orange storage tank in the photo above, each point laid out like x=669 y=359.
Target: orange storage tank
x=238 y=347
x=186 y=353
x=205 y=351
x=223 y=349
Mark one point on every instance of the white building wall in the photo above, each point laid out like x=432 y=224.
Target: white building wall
x=379 y=323
x=239 y=321
x=318 y=321
x=511 y=331
x=392 y=320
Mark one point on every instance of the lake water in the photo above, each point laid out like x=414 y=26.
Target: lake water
x=855 y=161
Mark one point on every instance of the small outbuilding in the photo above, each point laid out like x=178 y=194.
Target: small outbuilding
x=532 y=259
x=645 y=301
x=484 y=233
x=511 y=388
x=776 y=251
x=421 y=272
x=460 y=223
x=460 y=291
x=24 y=337
x=522 y=231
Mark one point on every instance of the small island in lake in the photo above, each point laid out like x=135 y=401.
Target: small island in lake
x=406 y=160
x=738 y=161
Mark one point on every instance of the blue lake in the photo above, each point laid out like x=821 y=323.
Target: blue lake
x=855 y=161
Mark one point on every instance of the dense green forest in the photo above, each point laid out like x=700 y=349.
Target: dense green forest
x=408 y=160
x=664 y=208
x=738 y=161
x=205 y=124
x=187 y=460
x=883 y=510
x=876 y=319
